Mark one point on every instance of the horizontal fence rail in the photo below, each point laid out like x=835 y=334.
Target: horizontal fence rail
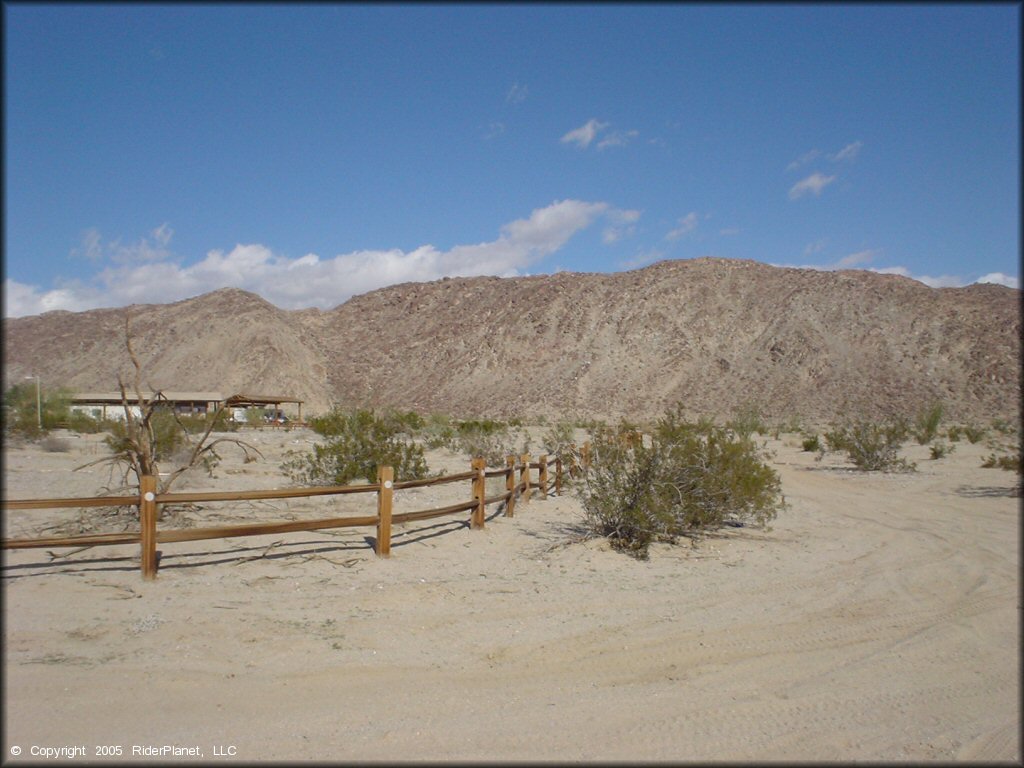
x=148 y=501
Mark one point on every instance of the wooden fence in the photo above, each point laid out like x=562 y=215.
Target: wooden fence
x=148 y=502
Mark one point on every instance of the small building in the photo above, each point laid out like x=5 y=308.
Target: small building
x=108 y=405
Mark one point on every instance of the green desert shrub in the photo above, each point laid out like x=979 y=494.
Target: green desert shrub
x=747 y=420
x=1010 y=462
x=940 y=449
x=358 y=442
x=1003 y=427
x=870 y=446
x=196 y=424
x=974 y=434
x=84 y=424
x=438 y=431
x=811 y=443
x=558 y=439
x=169 y=440
x=29 y=413
x=685 y=479
x=926 y=423
x=492 y=440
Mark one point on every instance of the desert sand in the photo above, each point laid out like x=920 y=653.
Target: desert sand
x=878 y=619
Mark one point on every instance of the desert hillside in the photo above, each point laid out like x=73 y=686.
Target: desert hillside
x=713 y=333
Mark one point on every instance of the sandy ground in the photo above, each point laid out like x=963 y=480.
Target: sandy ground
x=879 y=619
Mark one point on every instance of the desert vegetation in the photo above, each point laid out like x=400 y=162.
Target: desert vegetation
x=683 y=479
x=871 y=446
x=357 y=443
x=30 y=413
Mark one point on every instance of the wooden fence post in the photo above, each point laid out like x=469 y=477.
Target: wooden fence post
x=558 y=475
x=147 y=523
x=479 y=492
x=543 y=475
x=510 y=485
x=386 y=477
x=524 y=475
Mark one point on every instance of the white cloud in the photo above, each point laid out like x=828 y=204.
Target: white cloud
x=494 y=130
x=310 y=280
x=152 y=248
x=942 y=281
x=617 y=139
x=816 y=247
x=517 y=93
x=813 y=184
x=92 y=245
x=687 y=224
x=584 y=134
x=849 y=152
x=622 y=224
x=854 y=259
x=804 y=159
x=999 y=278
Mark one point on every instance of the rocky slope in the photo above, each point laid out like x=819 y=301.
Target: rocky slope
x=712 y=333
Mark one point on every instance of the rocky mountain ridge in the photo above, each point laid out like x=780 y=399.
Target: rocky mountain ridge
x=714 y=334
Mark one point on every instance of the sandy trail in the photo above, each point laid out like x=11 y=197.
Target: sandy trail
x=879 y=619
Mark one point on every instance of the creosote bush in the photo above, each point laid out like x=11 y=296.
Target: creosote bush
x=811 y=443
x=926 y=423
x=685 y=478
x=493 y=440
x=358 y=442
x=747 y=420
x=168 y=438
x=871 y=447
x=1010 y=462
x=31 y=414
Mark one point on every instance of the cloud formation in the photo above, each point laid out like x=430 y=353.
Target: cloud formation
x=622 y=224
x=803 y=160
x=585 y=134
x=849 y=152
x=517 y=94
x=617 y=139
x=813 y=184
x=687 y=224
x=859 y=259
x=999 y=278
x=309 y=280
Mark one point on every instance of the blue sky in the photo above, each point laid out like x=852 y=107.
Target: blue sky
x=310 y=153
